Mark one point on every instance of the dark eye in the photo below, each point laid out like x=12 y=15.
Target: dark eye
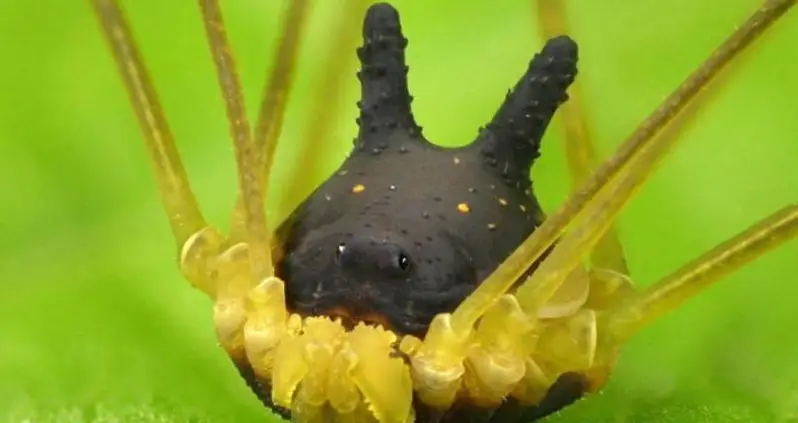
x=402 y=261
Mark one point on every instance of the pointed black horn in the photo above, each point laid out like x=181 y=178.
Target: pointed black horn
x=385 y=100
x=511 y=141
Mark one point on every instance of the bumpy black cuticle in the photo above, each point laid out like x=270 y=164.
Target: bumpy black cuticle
x=397 y=198
x=514 y=134
x=385 y=99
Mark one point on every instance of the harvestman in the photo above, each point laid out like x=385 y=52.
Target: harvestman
x=256 y=330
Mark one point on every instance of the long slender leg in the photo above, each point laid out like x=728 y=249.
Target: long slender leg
x=597 y=217
x=674 y=289
x=250 y=190
x=606 y=191
x=181 y=206
x=609 y=273
x=314 y=141
x=276 y=93
x=580 y=148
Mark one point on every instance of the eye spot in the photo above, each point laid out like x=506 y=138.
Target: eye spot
x=463 y=208
x=357 y=189
x=403 y=261
x=340 y=250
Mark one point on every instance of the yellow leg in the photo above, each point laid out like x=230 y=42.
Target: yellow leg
x=637 y=159
x=609 y=273
x=608 y=189
x=181 y=206
x=250 y=188
x=674 y=289
x=333 y=72
x=277 y=89
x=584 y=219
x=195 y=240
x=580 y=149
x=586 y=216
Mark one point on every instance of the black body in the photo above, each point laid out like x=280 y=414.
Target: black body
x=406 y=229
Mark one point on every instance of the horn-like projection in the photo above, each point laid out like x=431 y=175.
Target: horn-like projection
x=511 y=141
x=385 y=100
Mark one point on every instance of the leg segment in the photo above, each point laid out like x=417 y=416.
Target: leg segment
x=587 y=215
x=181 y=206
x=609 y=271
x=580 y=149
x=314 y=141
x=647 y=146
x=674 y=289
x=196 y=241
x=250 y=190
x=622 y=174
x=272 y=108
x=278 y=87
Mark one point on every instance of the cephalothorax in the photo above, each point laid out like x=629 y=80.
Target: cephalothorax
x=406 y=229
x=420 y=283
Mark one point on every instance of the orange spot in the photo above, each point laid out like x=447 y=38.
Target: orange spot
x=463 y=208
x=358 y=188
x=502 y=201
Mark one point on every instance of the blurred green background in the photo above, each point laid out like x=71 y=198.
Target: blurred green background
x=98 y=325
